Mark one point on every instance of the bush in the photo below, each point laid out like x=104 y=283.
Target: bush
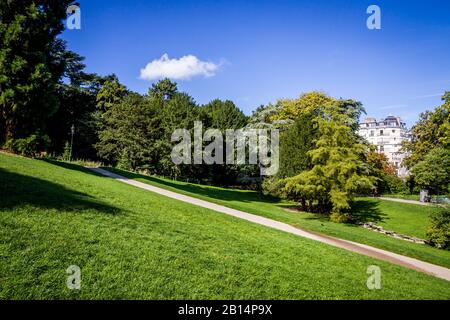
x=66 y=154
x=394 y=185
x=274 y=187
x=30 y=146
x=339 y=217
x=439 y=232
x=433 y=172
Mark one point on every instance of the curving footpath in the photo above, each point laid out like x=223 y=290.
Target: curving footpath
x=425 y=267
x=405 y=201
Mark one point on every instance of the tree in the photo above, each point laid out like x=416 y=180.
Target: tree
x=306 y=103
x=130 y=133
x=136 y=131
x=164 y=89
x=438 y=233
x=431 y=131
x=178 y=112
x=295 y=143
x=338 y=171
x=385 y=174
x=30 y=64
x=77 y=106
x=223 y=115
x=111 y=93
x=434 y=171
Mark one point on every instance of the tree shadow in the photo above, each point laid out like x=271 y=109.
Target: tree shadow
x=218 y=193
x=365 y=210
x=71 y=166
x=362 y=211
x=17 y=190
x=296 y=209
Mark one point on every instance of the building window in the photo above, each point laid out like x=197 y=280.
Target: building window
x=381 y=148
x=393 y=131
x=381 y=132
x=372 y=133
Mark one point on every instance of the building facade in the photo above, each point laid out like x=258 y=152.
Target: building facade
x=387 y=135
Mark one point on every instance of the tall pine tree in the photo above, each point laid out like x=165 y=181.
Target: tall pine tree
x=30 y=64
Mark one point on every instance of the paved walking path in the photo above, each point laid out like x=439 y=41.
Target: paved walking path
x=391 y=257
x=405 y=201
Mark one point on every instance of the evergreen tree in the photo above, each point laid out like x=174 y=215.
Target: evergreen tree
x=30 y=64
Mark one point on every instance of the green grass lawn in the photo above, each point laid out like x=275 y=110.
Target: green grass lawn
x=134 y=244
x=408 y=219
x=404 y=218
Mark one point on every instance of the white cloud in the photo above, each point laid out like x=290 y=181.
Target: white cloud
x=184 y=68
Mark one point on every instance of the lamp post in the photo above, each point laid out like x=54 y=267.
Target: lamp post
x=72 y=132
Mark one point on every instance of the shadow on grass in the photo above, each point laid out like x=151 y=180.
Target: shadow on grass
x=362 y=211
x=217 y=193
x=17 y=190
x=72 y=166
x=367 y=211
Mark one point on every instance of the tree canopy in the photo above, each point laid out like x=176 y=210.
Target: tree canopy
x=32 y=61
x=431 y=131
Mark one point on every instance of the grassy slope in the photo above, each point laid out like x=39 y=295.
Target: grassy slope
x=131 y=243
x=414 y=222
x=405 y=218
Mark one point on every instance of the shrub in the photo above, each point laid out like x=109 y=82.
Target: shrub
x=433 y=172
x=30 y=146
x=439 y=231
x=339 y=217
x=394 y=185
x=274 y=187
x=66 y=154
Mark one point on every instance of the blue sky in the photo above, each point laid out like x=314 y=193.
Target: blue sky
x=266 y=50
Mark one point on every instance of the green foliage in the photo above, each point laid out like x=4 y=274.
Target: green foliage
x=261 y=117
x=31 y=64
x=30 y=146
x=434 y=171
x=223 y=115
x=431 y=131
x=112 y=92
x=66 y=153
x=307 y=103
x=385 y=174
x=393 y=184
x=337 y=171
x=136 y=132
x=130 y=133
x=295 y=143
x=163 y=89
x=77 y=107
x=42 y=84
x=439 y=231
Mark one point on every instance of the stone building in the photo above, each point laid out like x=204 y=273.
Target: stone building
x=387 y=134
